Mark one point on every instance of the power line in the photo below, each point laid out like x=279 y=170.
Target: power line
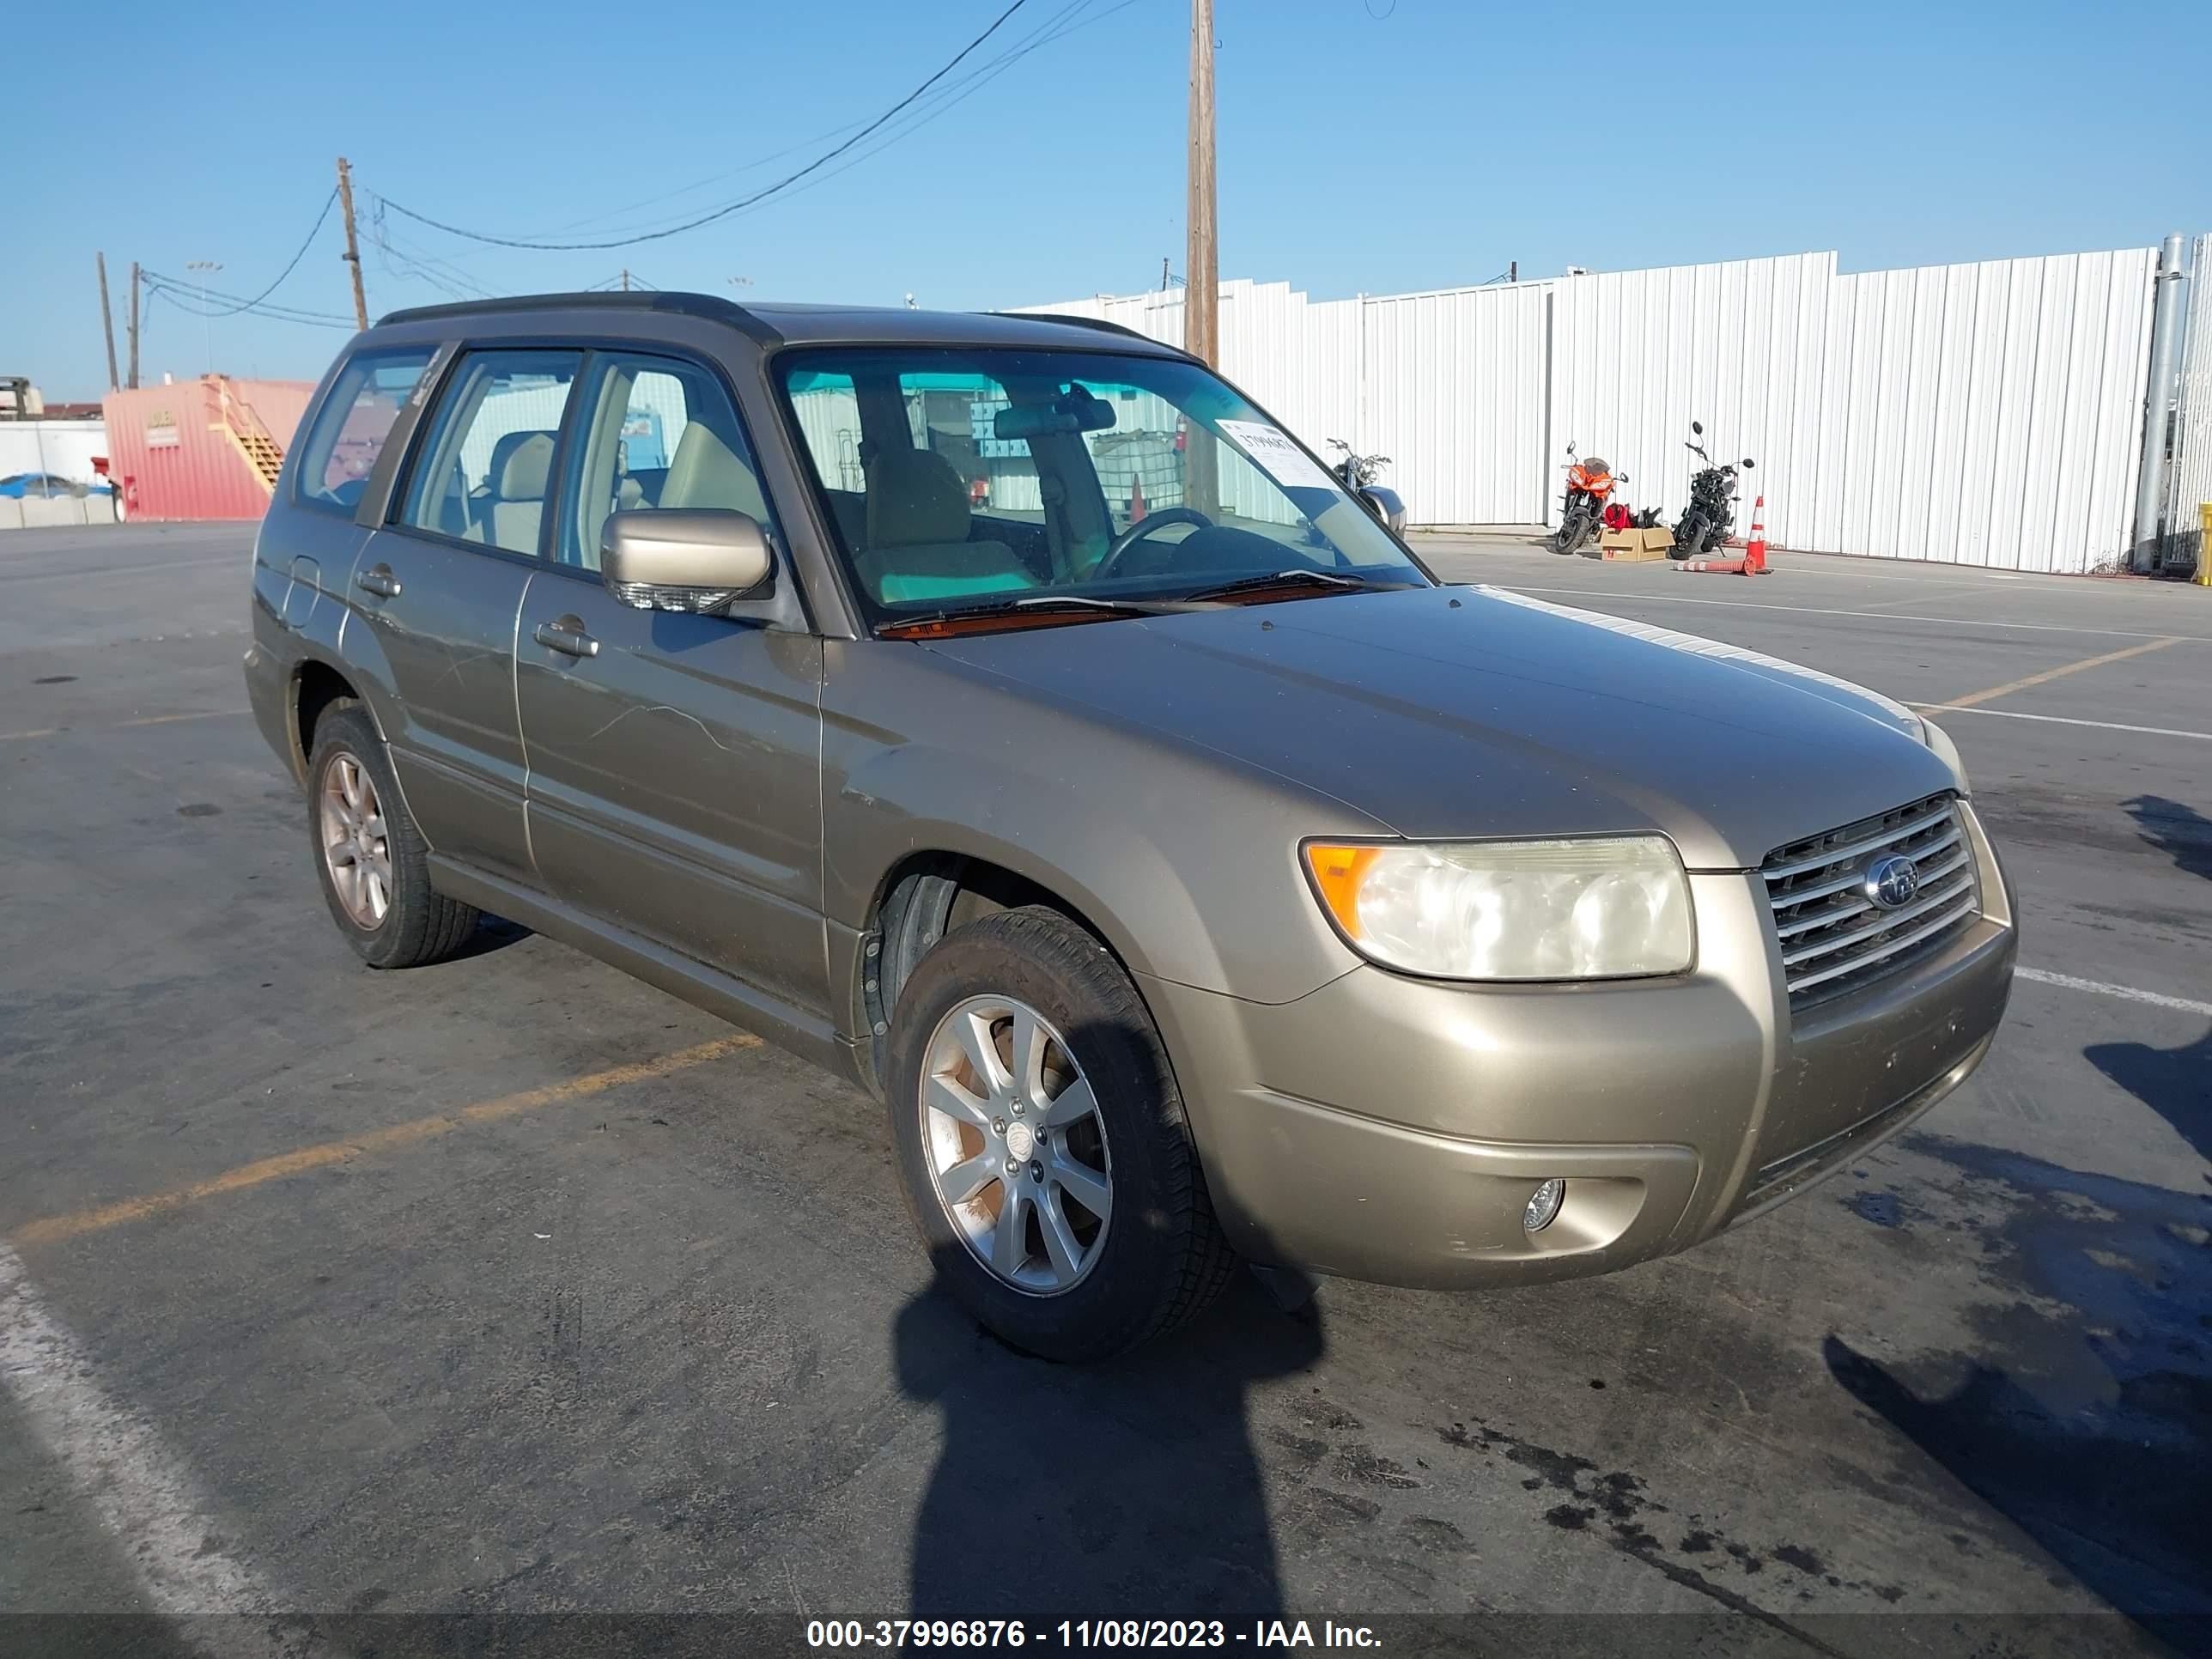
x=248 y=305
x=1055 y=27
x=194 y=301
x=724 y=211
x=754 y=164
x=403 y=260
x=190 y=297
x=959 y=91
x=952 y=93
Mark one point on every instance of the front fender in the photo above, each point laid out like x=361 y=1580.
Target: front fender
x=1187 y=862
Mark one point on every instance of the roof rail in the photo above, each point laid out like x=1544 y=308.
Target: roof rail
x=689 y=305
x=1098 y=323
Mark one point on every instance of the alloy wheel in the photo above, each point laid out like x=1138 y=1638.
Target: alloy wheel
x=1015 y=1145
x=356 y=844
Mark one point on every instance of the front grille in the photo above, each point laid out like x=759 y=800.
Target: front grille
x=1835 y=938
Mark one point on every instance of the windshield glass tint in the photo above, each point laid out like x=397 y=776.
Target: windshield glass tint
x=959 y=477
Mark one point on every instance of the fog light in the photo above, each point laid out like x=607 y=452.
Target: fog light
x=1543 y=1205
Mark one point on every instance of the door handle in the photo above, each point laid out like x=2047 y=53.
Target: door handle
x=566 y=635
x=379 y=580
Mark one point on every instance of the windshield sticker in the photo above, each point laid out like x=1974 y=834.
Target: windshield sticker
x=1277 y=456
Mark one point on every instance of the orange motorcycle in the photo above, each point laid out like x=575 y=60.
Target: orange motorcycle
x=1589 y=487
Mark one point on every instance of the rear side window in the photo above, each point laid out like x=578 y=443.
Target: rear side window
x=484 y=472
x=350 y=427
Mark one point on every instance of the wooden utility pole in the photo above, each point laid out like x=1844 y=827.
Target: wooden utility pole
x=1202 y=288
x=107 y=320
x=353 y=247
x=1201 y=274
x=133 y=381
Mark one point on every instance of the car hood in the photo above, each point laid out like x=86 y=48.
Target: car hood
x=1470 y=711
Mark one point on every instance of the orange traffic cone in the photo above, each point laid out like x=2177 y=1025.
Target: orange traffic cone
x=1137 y=498
x=1754 y=552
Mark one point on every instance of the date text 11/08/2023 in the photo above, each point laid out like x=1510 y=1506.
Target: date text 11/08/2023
x=1291 y=1633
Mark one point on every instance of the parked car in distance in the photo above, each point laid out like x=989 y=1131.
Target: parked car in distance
x=51 y=486
x=1192 y=875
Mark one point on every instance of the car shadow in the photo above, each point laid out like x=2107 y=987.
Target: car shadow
x=2085 y=1414
x=1082 y=1492
x=492 y=933
x=2177 y=829
x=2175 y=1083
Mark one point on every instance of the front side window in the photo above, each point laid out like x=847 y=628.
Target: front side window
x=654 y=433
x=961 y=476
x=348 y=436
x=482 y=472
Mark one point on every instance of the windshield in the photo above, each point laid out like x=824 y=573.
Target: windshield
x=964 y=478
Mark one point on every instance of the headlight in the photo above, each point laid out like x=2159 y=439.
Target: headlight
x=1946 y=750
x=1602 y=909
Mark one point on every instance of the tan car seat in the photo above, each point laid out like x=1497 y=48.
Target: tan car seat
x=518 y=481
x=705 y=472
x=917 y=534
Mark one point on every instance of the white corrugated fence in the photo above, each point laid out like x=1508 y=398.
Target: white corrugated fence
x=2190 y=485
x=1986 y=414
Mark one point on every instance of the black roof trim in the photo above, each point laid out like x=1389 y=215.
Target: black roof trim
x=1098 y=323
x=689 y=305
x=762 y=330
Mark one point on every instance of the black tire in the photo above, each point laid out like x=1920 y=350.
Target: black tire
x=1163 y=1257
x=1689 y=537
x=1572 y=528
x=420 y=926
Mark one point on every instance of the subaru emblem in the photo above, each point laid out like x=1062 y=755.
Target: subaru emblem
x=1891 y=881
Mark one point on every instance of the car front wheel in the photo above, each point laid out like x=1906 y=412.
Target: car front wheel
x=1042 y=1142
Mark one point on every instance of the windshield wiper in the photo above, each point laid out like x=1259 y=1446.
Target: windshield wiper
x=1324 y=579
x=1049 y=609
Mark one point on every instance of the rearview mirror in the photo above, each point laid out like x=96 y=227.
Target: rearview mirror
x=1747 y=463
x=1699 y=427
x=683 y=558
x=1079 y=410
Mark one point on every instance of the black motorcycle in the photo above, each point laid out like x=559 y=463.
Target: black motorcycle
x=1711 y=515
x=1359 y=474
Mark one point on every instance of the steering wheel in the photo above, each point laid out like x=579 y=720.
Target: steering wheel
x=1136 y=532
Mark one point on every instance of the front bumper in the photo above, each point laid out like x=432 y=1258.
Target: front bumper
x=1392 y=1129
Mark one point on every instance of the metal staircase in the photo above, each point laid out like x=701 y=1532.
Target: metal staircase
x=231 y=416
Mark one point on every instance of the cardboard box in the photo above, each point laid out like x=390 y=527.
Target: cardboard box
x=1635 y=545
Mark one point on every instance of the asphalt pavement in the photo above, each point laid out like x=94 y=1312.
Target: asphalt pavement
x=512 y=1286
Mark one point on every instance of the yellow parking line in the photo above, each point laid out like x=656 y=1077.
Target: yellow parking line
x=200 y=714
x=142 y=719
x=2011 y=686
x=54 y=1228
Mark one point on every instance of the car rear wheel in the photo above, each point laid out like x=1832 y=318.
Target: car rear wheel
x=370 y=858
x=1042 y=1142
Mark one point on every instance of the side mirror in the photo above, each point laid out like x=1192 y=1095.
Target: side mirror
x=683 y=558
x=1699 y=427
x=1570 y=449
x=1386 y=505
x=1747 y=463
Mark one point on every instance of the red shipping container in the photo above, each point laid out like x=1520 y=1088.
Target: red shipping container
x=204 y=448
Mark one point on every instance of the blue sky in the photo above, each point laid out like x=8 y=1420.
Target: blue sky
x=1364 y=146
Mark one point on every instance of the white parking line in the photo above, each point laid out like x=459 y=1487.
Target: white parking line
x=1630 y=598
x=144 y=1496
x=2125 y=993
x=2062 y=720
